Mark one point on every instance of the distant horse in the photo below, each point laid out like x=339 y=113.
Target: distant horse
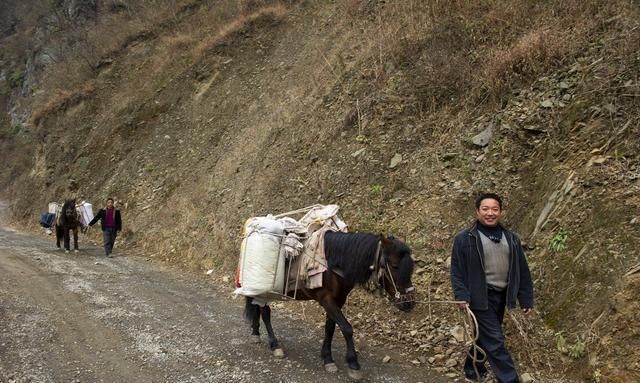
x=353 y=259
x=68 y=220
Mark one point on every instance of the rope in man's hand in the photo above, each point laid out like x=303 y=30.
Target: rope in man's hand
x=470 y=325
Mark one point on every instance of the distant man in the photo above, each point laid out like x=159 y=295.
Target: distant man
x=111 y=223
x=490 y=272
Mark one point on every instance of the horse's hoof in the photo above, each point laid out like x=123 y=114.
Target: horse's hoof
x=354 y=374
x=278 y=353
x=66 y=251
x=255 y=339
x=76 y=251
x=331 y=367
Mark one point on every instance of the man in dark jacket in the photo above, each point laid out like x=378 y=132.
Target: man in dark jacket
x=111 y=223
x=489 y=272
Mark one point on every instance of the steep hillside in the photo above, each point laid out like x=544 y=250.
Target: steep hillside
x=196 y=116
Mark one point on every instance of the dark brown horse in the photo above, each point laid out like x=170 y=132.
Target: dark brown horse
x=68 y=221
x=353 y=259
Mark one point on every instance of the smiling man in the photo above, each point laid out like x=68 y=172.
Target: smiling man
x=490 y=273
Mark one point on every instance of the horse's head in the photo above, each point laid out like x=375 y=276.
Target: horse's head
x=69 y=209
x=397 y=263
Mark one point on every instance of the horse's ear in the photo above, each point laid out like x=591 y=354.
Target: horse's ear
x=385 y=240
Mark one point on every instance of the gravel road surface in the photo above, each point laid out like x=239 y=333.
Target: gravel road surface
x=82 y=317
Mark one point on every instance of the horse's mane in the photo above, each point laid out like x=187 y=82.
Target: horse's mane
x=351 y=253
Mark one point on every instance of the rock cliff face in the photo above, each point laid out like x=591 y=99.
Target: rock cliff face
x=36 y=35
x=196 y=116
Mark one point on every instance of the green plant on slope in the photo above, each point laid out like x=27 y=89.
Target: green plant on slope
x=575 y=351
x=375 y=189
x=559 y=241
x=561 y=344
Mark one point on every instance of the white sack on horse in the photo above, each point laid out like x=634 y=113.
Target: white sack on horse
x=85 y=209
x=262 y=264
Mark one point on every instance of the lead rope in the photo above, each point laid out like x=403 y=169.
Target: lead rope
x=470 y=325
x=393 y=283
x=471 y=332
x=477 y=350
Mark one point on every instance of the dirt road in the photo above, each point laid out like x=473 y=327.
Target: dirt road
x=87 y=318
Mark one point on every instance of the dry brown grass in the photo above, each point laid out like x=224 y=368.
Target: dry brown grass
x=197 y=239
x=531 y=54
x=477 y=50
x=276 y=11
x=179 y=41
x=62 y=100
x=114 y=33
x=106 y=37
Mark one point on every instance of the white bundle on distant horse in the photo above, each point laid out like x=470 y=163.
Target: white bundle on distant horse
x=85 y=209
x=262 y=264
x=54 y=208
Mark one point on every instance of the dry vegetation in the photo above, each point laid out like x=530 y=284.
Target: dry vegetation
x=480 y=49
x=245 y=89
x=274 y=11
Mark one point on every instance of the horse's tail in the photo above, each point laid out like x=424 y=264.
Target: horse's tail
x=250 y=310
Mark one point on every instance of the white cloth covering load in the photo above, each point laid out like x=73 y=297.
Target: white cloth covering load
x=261 y=267
x=85 y=209
x=54 y=208
x=323 y=216
x=277 y=245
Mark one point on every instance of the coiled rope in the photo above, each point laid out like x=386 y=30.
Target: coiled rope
x=470 y=325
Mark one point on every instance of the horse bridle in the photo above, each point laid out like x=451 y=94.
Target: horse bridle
x=381 y=267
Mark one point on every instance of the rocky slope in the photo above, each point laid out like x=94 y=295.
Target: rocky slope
x=202 y=115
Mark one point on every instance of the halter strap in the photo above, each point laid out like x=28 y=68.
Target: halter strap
x=374 y=280
x=377 y=273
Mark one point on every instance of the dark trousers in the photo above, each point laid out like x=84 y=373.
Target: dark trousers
x=109 y=236
x=491 y=340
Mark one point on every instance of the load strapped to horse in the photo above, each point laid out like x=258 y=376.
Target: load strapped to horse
x=278 y=253
x=48 y=218
x=315 y=258
x=67 y=217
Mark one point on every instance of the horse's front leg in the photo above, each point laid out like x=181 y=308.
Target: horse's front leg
x=334 y=312
x=75 y=239
x=58 y=236
x=325 y=353
x=273 y=342
x=67 y=240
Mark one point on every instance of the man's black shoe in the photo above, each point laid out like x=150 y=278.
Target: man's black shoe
x=472 y=374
